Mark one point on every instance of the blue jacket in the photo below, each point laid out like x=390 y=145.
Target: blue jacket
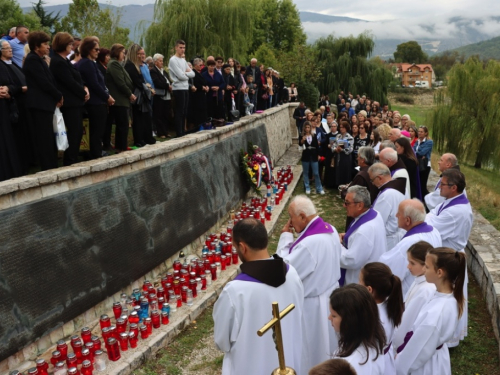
x=424 y=149
x=217 y=80
x=94 y=81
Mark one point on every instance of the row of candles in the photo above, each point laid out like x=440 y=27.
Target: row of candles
x=149 y=309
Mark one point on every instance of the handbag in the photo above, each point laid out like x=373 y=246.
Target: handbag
x=422 y=164
x=265 y=96
x=60 y=130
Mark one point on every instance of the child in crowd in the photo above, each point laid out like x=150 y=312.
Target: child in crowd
x=424 y=350
x=388 y=294
x=252 y=87
x=335 y=366
x=355 y=319
x=247 y=103
x=420 y=291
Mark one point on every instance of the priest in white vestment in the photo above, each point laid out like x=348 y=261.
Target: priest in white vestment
x=245 y=306
x=364 y=241
x=391 y=194
x=453 y=219
x=315 y=255
x=434 y=198
x=389 y=157
x=411 y=219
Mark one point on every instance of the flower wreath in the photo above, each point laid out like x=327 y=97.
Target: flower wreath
x=256 y=167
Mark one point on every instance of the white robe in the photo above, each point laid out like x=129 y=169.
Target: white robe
x=396 y=258
x=366 y=244
x=242 y=309
x=417 y=297
x=390 y=368
x=454 y=224
x=316 y=259
x=434 y=327
x=387 y=204
x=403 y=173
x=371 y=367
x=434 y=198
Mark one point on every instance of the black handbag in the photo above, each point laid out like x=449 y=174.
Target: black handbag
x=422 y=164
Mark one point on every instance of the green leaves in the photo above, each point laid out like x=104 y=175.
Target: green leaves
x=410 y=52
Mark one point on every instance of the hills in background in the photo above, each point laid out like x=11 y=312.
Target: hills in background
x=465 y=34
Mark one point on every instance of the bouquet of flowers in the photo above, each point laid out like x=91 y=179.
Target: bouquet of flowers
x=256 y=167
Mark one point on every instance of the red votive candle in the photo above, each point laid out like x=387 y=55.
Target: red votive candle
x=164 y=318
x=86 y=335
x=132 y=339
x=56 y=357
x=124 y=341
x=104 y=321
x=117 y=309
x=113 y=350
x=155 y=318
x=42 y=366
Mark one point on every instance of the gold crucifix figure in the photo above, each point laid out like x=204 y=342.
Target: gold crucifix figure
x=276 y=323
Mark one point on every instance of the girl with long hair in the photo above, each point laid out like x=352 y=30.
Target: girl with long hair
x=420 y=291
x=404 y=150
x=310 y=155
x=424 y=350
x=388 y=294
x=355 y=318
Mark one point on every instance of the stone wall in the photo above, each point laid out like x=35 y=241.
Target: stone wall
x=75 y=236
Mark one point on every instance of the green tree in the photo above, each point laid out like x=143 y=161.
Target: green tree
x=12 y=15
x=47 y=20
x=466 y=118
x=86 y=18
x=345 y=66
x=216 y=27
x=277 y=23
x=410 y=52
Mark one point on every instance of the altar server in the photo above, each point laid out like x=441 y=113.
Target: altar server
x=244 y=306
x=410 y=216
x=385 y=288
x=364 y=241
x=420 y=291
x=434 y=198
x=391 y=194
x=424 y=351
x=355 y=317
x=389 y=157
x=315 y=255
x=453 y=219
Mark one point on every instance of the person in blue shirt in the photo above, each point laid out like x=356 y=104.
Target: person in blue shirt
x=18 y=44
x=10 y=35
x=350 y=111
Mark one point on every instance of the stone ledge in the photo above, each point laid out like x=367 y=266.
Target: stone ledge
x=133 y=358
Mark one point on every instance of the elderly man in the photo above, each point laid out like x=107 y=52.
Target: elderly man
x=364 y=241
x=389 y=157
x=411 y=218
x=446 y=161
x=394 y=134
x=162 y=99
x=315 y=256
x=453 y=219
x=391 y=194
x=18 y=44
x=10 y=35
x=244 y=306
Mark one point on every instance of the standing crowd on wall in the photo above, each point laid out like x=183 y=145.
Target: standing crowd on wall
x=95 y=87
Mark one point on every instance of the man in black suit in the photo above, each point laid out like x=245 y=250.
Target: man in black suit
x=162 y=99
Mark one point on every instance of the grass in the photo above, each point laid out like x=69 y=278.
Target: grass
x=417 y=113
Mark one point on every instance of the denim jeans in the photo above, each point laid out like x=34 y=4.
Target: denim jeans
x=305 y=175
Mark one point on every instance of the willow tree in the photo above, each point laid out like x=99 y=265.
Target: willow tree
x=345 y=66
x=215 y=27
x=466 y=120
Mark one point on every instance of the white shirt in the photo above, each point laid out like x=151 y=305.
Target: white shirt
x=366 y=244
x=316 y=259
x=403 y=173
x=371 y=367
x=390 y=368
x=397 y=260
x=387 y=204
x=242 y=309
x=453 y=223
x=180 y=78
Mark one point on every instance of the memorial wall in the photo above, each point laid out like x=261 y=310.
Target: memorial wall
x=73 y=237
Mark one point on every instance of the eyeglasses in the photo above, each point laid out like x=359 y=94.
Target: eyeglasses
x=346 y=203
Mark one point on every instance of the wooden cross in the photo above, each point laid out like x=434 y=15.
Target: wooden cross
x=275 y=323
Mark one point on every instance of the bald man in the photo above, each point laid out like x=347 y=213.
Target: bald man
x=389 y=157
x=446 y=161
x=394 y=134
x=411 y=219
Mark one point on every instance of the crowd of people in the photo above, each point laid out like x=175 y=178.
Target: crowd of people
x=115 y=85
x=387 y=295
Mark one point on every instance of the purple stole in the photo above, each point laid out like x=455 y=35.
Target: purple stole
x=420 y=228
x=370 y=215
x=438 y=185
x=318 y=226
x=394 y=171
x=407 y=338
x=461 y=199
x=244 y=277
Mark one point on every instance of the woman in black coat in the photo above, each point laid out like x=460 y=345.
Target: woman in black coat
x=197 y=113
x=163 y=99
x=69 y=82
x=215 y=104
x=42 y=98
x=97 y=105
x=141 y=119
x=310 y=155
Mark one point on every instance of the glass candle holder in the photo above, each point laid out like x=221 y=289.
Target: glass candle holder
x=62 y=347
x=42 y=366
x=189 y=297
x=86 y=355
x=31 y=371
x=77 y=349
x=123 y=341
x=73 y=371
x=100 y=361
x=213 y=271
x=121 y=325
x=164 y=318
x=179 y=301
x=144 y=331
x=117 y=309
x=97 y=343
x=113 y=350
x=56 y=357
x=104 y=321
x=184 y=293
x=132 y=339
x=86 y=334
x=90 y=347
x=133 y=318
x=60 y=368
x=87 y=368
x=149 y=324
x=234 y=257
x=155 y=319
x=71 y=360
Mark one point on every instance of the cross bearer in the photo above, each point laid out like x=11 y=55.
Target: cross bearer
x=244 y=306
